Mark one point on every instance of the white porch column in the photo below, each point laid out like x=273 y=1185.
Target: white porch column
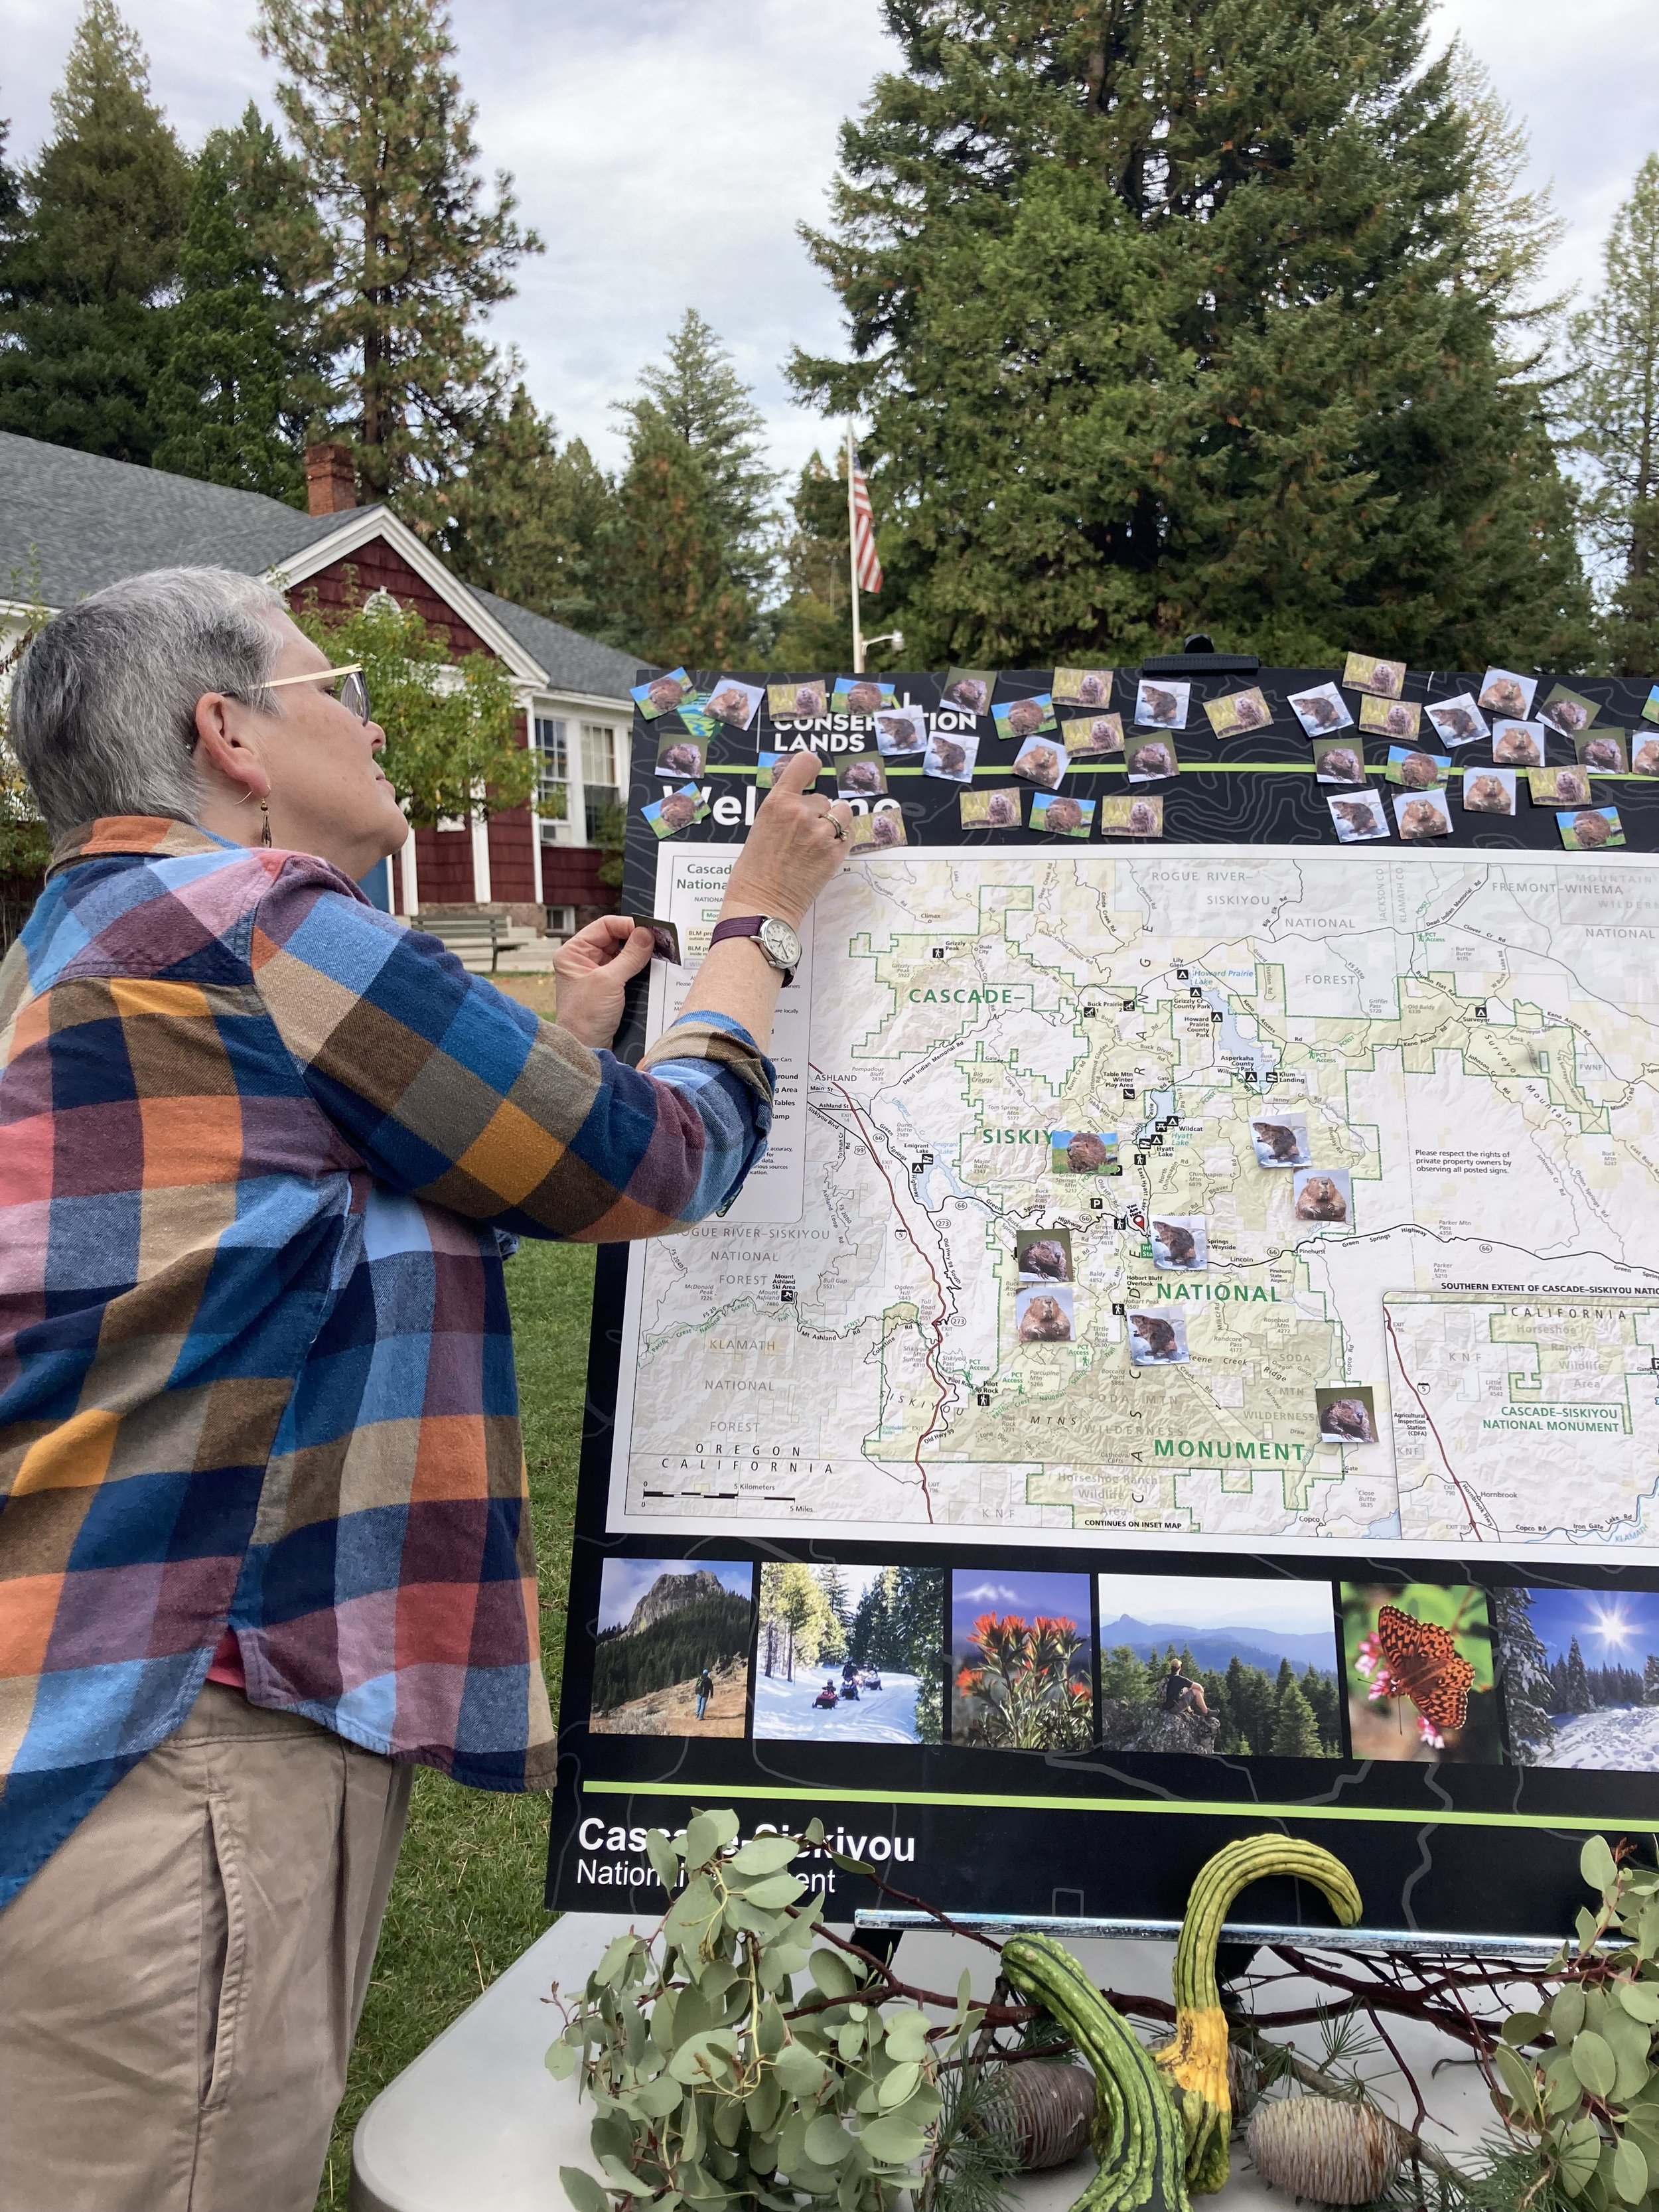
x=409 y=902
x=480 y=861
x=536 y=851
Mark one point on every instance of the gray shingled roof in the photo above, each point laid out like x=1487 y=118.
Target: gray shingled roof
x=72 y=522
x=573 y=662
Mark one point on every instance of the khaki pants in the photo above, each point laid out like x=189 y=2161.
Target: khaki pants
x=180 y=1983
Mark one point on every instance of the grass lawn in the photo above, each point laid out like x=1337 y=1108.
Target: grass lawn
x=468 y=1896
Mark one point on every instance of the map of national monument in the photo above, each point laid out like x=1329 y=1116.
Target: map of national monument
x=1206 y=1193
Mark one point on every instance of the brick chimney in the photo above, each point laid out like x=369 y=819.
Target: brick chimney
x=330 y=481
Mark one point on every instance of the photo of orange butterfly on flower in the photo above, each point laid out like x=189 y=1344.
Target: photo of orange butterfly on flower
x=1419 y=1674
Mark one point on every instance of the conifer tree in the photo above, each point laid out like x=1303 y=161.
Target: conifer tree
x=1296 y=1732
x=702 y=398
x=1577 y=1698
x=528 y=517
x=92 y=249
x=1614 y=399
x=1188 y=315
x=1651 y=1679
x=814 y=626
x=672 y=596
x=1524 y=1683
x=218 y=399
x=370 y=93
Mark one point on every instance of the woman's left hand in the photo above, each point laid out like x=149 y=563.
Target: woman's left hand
x=594 y=968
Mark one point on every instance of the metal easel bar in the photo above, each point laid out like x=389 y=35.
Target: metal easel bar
x=1525 y=1950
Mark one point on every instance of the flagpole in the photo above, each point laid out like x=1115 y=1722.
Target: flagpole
x=853 y=556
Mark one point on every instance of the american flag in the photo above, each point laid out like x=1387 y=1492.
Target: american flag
x=866 y=562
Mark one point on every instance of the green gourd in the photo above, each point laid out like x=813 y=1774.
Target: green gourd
x=1196 y=2062
x=1137 y=2133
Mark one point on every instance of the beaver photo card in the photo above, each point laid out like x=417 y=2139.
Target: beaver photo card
x=1044 y=1313
x=1082 y=687
x=1324 y=1196
x=1359 y=818
x=1180 y=1241
x=1557 y=787
x=991 y=810
x=1383 y=680
x=1042 y=761
x=664 y=936
x=1602 y=751
x=806 y=701
x=1338 y=760
x=901 y=732
x=1150 y=760
x=1239 y=713
x=1091 y=737
x=860 y=775
x=860 y=695
x=675 y=810
x=1347 y=1413
x=679 y=757
x=735 y=702
x=1422 y=814
x=1569 y=714
x=1161 y=704
x=1083 y=1152
x=1590 y=829
x=1415 y=769
x=950 y=755
x=1019 y=719
x=1488 y=791
x=1390 y=717
x=1061 y=815
x=661 y=695
x=1124 y=816
x=1321 y=710
x=1456 y=721
x=1518 y=744
x=1502 y=691
x=968 y=690
x=1281 y=1140
x=1043 y=1255
x=1156 y=1339
x=880 y=830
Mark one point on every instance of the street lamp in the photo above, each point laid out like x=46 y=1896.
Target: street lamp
x=893 y=637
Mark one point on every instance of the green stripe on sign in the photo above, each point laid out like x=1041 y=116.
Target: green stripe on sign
x=714 y=1792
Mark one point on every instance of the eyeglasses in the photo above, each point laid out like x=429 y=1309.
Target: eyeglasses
x=351 y=691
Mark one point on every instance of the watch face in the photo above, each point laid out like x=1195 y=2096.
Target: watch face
x=780 y=942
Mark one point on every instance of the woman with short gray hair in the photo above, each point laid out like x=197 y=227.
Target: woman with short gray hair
x=263 y=1534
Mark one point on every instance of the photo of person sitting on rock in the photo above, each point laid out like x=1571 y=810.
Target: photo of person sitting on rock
x=1180 y=1694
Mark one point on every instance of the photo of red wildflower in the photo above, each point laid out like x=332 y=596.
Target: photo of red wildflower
x=1022 y=1648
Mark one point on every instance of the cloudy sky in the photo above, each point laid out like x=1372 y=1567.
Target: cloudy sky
x=666 y=149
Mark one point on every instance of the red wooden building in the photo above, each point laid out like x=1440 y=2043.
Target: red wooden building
x=71 y=522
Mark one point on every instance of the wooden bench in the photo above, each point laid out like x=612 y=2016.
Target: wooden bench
x=474 y=932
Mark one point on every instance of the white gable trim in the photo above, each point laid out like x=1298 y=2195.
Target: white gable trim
x=361 y=528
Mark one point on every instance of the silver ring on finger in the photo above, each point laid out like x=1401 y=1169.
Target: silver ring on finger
x=835 y=824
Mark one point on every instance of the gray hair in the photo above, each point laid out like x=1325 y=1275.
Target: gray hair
x=103 y=706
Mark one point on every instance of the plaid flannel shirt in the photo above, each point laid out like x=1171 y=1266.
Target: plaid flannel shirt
x=258 y=1144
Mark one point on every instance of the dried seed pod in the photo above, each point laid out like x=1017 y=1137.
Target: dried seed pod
x=1324 y=2147
x=1043 y=2110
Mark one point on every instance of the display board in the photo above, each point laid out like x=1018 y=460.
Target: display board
x=1189 y=1358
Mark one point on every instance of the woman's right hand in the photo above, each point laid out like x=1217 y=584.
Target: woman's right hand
x=798 y=841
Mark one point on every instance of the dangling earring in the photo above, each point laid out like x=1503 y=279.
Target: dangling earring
x=265 y=821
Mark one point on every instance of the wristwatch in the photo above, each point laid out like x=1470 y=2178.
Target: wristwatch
x=777 y=939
